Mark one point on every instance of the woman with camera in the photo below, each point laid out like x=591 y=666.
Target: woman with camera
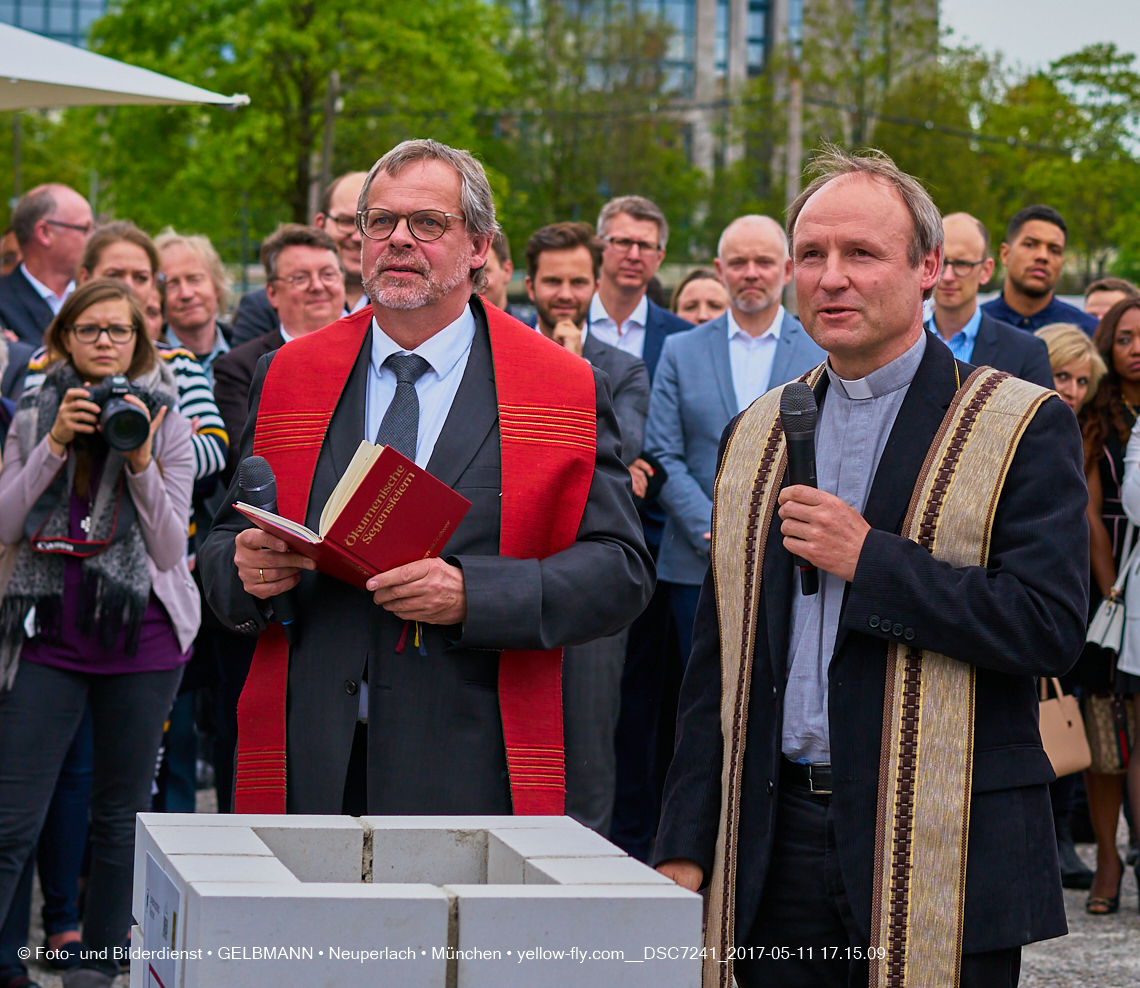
x=100 y=608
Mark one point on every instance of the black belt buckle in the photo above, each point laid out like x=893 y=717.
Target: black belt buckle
x=811 y=780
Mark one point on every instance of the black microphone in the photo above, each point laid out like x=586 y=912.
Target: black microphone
x=258 y=487
x=798 y=412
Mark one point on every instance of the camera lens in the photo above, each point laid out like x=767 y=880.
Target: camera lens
x=125 y=426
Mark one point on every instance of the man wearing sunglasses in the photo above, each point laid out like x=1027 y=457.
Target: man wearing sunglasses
x=51 y=223
x=973 y=336
x=435 y=690
x=255 y=314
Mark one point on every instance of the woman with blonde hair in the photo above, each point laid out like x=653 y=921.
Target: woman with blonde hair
x=1077 y=364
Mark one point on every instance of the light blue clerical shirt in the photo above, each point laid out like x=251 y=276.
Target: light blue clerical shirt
x=961 y=344
x=447 y=352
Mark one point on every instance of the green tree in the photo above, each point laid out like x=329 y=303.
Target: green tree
x=406 y=69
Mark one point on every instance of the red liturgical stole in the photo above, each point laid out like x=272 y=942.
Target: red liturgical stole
x=548 y=433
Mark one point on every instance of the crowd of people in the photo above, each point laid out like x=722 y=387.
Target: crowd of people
x=121 y=648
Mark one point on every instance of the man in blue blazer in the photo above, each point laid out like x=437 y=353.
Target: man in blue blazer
x=973 y=336
x=51 y=223
x=704 y=378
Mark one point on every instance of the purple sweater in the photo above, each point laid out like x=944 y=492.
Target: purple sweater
x=158 y=645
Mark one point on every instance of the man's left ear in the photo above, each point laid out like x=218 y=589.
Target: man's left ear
x=481 y=247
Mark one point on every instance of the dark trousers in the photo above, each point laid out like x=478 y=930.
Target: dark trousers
x=804 y=905
x=178 y=774
x=591 y=702
x=59 y=857
x=232 y=654
x=38 y=721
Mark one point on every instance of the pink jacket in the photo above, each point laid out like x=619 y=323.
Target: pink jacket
x=162 y=503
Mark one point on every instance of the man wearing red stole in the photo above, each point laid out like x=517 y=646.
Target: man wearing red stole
x=437 y=690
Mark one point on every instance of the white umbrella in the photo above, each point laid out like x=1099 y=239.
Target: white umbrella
x=38 y=72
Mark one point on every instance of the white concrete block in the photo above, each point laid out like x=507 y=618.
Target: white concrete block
x=255 y=939
x=222 y=868
x=316 y=854
x=508 y=850
x=436 y=856
x=467 y=822
x=591 y=871
x=576 y=935
x=209 y=840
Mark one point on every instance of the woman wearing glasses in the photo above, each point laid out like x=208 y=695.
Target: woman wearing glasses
x=100 y=608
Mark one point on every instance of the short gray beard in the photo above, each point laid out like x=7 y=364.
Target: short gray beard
x=766 y=301
x=427 y=292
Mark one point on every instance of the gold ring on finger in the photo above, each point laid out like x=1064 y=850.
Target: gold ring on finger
x=262 y=572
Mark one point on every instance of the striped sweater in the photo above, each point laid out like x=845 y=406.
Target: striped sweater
x=195 y=400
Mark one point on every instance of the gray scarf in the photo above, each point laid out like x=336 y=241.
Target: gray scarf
x=116 y=581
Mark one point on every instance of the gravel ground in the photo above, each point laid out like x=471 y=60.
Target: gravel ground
x=1099 y=952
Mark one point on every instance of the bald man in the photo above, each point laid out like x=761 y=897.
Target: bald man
x=705 y=377
x=973 y=336
x=51 y=223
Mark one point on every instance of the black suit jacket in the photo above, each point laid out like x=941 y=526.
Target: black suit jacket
x=22 y=309
x=435 y=743
x=16 y=369
x=629 y=384
x=1020 y=617
x=254 y=317
x=233 y=376
x=1015 y=351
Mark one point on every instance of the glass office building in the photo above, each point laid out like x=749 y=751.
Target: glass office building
x=62 y=20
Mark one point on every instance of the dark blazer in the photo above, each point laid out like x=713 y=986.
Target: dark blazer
x=22 y=308
x=233 y=375
x=254 y=317
x=659 y=323
x=1015 y=351
x=629 y=384
x=1022 y=616
x=16 y=369
x=435 y=743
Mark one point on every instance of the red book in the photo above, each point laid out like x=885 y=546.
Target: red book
x=384 y=512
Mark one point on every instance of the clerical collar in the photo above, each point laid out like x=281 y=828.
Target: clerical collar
x=890 y=377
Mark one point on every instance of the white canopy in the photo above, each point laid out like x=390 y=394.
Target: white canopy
x=38 y=72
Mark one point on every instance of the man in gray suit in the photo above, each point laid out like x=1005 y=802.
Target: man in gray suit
x=705 y=378
x=563 y=261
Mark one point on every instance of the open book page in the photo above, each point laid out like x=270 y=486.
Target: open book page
x=290 y=526
x=366 y=454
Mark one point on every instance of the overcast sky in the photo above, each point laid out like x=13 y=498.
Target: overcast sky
x=1034 y=32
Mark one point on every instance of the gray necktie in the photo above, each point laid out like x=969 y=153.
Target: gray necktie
x=401 y=424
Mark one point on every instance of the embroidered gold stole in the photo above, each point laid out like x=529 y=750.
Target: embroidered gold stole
x=926 y=761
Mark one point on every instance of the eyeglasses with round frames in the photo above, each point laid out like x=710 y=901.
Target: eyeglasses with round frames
x=304 y=280
x=91 y=333
x=624 y=246
x=425 y=225
x=961 y=268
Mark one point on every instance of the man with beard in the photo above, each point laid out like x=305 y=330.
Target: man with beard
x=436 y=689
x=1033 y=255
x=563 y=261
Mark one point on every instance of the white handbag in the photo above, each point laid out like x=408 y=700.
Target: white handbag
x=1107 y=627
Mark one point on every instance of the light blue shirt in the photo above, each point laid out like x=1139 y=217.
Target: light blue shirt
x=447 y=352
x=629 y=336
x=850 y=436
x=961 y=344
x=205 y=360
x=751 y=358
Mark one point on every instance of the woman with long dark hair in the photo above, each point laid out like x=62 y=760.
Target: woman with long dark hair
x=1106 y=424
x=100 y=609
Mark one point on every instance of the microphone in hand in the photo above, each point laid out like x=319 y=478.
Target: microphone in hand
x=798 y=413
x=258 y=487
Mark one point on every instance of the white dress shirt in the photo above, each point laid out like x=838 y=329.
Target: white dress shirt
x=629 y=336
x=447 y=352
x=55 y=302
x=752 y=358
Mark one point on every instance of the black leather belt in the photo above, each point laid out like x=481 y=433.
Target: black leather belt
x=815 y=779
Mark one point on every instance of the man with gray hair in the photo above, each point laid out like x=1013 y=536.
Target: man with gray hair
x=859 y=776
x=51 y=224
x=435 y=689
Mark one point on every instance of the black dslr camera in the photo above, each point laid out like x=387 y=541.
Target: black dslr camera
x=125 y=426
